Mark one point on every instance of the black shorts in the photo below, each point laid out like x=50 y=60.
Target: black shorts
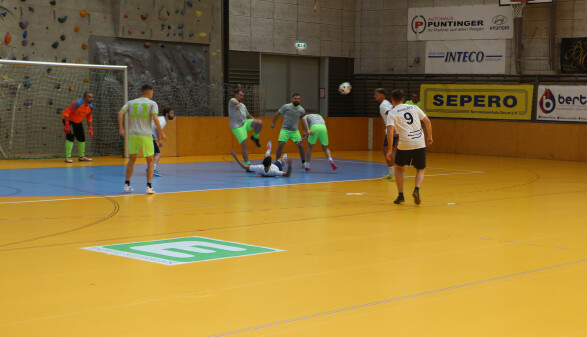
x=156 y=146
x=416 y=157
x=76 y=132
x=279 y=165
x=395 y=140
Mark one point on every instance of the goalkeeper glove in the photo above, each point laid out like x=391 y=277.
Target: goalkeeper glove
x=66 y=128
x=91 y=132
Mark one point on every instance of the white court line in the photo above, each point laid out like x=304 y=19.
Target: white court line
x=220 y=189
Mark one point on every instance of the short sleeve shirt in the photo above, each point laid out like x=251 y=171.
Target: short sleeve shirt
x=260 y=169
x=237 y=116
x=162 y=122
x=314 y=119
x=384 y=107
x=406 y=120
x=291 y=116
x=140 y=112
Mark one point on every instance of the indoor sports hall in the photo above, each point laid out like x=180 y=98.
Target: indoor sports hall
x=496 y=247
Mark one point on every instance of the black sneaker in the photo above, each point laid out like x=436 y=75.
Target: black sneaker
x=256 y=140
x=416 y=196
x=399 y=200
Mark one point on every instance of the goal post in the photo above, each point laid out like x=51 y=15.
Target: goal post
x=33 y=96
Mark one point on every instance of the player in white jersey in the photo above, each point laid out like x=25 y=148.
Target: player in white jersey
x=411 y=150
x=267 y=169
x=168 y=114
x=141 y=111
x=384 y=108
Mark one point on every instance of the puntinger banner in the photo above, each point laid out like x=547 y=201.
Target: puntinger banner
x=460 y=23
x=465 y=57
x=561 y=103
x=485 y=101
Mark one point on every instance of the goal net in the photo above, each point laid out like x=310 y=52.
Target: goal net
x=33 y=96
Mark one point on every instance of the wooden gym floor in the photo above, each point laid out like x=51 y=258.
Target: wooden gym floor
x=498 y=247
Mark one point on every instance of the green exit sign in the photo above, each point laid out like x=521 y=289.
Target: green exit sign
x=301 y=45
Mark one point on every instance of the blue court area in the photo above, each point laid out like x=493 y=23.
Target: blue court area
x=183 y=177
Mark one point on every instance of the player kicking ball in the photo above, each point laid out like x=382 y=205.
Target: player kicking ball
x=267 y=169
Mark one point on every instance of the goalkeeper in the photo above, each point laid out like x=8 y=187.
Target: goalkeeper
x=72 y=118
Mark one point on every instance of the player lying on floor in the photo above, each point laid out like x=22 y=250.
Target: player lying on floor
x=267 y=169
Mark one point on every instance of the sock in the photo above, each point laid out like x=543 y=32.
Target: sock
x=149 y=185
x=391 y=170
x=400 y=195
x=330 y=158
x=417 y=189
x=68 y=148
x=127 y=182
x=307 y=164
x=256 y=135
x=81 y=146
x=267 y=153
x=154 y=166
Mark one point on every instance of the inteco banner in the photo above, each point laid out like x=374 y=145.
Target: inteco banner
x=487 y=101
x=465 y=57
x=460 y=23
x=561 y=103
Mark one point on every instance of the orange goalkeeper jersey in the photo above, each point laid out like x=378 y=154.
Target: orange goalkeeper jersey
x=77 y=111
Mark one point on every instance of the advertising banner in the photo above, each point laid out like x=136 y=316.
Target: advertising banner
x=466 y=57
x=484 y=22
x=574 y=55
x=561 y=103
x=484 y=101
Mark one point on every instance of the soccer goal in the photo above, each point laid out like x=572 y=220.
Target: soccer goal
x=33 y=96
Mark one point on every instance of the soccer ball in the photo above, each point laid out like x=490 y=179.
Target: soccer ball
x=344 y=88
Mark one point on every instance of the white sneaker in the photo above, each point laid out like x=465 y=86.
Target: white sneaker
x=284 y=158
x=269 y=146
x=84 y=158
x=127 y=188
x=150 y=190
x=68 y=160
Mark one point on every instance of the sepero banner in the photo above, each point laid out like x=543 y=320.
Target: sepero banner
x=460 y=23
x=561 y=103
x=465 y=57
x=485 y=101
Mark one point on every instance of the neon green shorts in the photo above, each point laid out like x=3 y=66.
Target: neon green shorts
x=320 y=132
x=285 y=135
x=144 y=142
x=241 y=133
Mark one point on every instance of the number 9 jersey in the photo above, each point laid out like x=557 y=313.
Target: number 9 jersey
x=406 y=121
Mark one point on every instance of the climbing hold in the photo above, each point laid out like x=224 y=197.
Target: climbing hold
x=62 y=37
x=180 y=26
x=7 y=39
x=198 y=14
x=84 y=46
x=4 y=78
x=130 y=66
x=76 y=29
x=62 y=19
x=25 y=58
x=143 y=32
x=130 y=30
x=162 y=46
x=84 y=13
x=49 y=70
x=79 y=61
x=144 y=16
x=193 y=61
x=180 y=34
x=31 y=9
x=55 y=45
x=163 y=26
x=57 y=86
x=213 y=54
x=26 y=77
x=71 y=87
x=27 y=84
x=126 y=15
x=86 y=80
x=147 y=45
x=23 y=24
x=182 y=12
x=53 y=2
x=28 y=102
x=4 y=14
x=50 y=101
x=25 y=34
x=191 y=34
x=190 y=4
x=203 y=35
x=176 y=11
x=32 y=43
x=163 y=14
x=64 y=60
x=24 y=43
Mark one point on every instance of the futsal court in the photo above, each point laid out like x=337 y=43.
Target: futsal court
x=498 y=247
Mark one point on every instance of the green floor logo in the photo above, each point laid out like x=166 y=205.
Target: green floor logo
x=182 y=250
